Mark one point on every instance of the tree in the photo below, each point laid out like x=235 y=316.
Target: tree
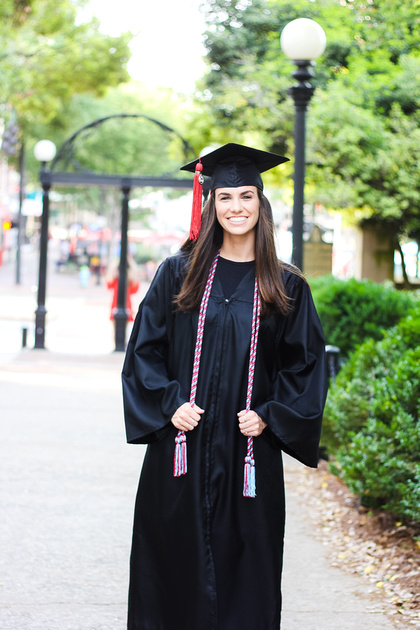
x=363 y=141
x=47 y=56
x=125 y=146
x=130 y=146
x=366 y=43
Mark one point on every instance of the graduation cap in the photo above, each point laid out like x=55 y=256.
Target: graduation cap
x=229 y=166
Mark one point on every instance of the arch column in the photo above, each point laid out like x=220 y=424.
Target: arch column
x=121 y=313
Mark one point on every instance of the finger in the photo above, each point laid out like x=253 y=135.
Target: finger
x=188 y=413
x=189 y=421
x=182 y=425
x=250 y=428
x=247 y=424
x=245 y=416
x=192 y=418
x=184 y=421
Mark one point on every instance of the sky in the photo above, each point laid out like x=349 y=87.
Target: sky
x=167 y=50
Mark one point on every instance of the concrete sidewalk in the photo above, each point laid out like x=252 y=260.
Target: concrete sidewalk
x=77 y=320
x=69 y=482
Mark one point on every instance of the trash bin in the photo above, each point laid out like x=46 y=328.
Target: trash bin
x=332 y=355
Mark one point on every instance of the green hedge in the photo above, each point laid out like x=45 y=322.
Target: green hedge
x=352 y=311
x=371 y=422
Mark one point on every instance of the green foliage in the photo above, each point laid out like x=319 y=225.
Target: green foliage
x=47 y=55
x=126 y=146
x=363 y=123
x=353 y=152
x=352 y=311
x=129 y=146
x=363 y=148
x=246 y=86
x=371 y=421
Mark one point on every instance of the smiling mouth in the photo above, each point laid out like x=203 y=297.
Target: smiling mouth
x=237 y=219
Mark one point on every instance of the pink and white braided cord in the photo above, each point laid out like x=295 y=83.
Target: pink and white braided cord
x=249 y=474
x=180 y=461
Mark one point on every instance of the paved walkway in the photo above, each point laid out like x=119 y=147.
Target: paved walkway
x=68 y=481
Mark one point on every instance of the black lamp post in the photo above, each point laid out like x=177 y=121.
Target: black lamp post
x=44 y=152
x=302 y=40
x=121 y=313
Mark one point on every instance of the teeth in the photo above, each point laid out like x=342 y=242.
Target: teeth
x=237 y=219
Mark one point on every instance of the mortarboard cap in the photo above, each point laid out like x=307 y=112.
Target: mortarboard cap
x=234 y=165
x=229 y=166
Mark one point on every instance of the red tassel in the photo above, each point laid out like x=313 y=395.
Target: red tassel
x=197 y=202
x=180 y=458
x=249 y=478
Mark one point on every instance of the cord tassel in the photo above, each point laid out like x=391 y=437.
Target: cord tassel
x=249 y=477
x=180 y=459
x=197 y=202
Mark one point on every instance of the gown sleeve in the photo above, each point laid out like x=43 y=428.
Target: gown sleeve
x=294 y=411
x=150 y=397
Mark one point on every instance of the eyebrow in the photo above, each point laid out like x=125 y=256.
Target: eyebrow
x=244 y=192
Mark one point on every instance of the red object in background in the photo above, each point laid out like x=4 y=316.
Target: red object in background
x=132 y=288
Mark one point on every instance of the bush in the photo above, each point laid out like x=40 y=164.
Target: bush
x=371 y=421
x=352 y=311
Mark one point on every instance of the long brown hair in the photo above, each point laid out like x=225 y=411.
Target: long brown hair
x=268 y=268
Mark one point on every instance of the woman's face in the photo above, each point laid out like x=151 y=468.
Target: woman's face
x=237 y=209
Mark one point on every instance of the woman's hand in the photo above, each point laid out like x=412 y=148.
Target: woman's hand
x=250 y=423
x=186 y=418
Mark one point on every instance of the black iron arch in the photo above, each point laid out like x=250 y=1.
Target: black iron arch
x=84 y=177
x=65 y=154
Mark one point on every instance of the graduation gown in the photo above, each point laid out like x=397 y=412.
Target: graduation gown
x=203 y=556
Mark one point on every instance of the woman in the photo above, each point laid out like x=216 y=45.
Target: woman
x=133 y=285
x=226 y=364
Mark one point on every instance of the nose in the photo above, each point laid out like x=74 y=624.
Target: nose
x=236 y=203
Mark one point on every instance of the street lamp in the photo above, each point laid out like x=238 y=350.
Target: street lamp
x=121 y=312
x=302 y=40
x=44 y=152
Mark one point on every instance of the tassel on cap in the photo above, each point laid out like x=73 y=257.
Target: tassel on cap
x=197 y=202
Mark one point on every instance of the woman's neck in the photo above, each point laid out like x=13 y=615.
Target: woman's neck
x=238 y=249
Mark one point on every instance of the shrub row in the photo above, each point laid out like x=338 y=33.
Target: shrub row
x=371 y=423
x=353 y=311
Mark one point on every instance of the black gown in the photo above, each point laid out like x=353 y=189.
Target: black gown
x=203 y=556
